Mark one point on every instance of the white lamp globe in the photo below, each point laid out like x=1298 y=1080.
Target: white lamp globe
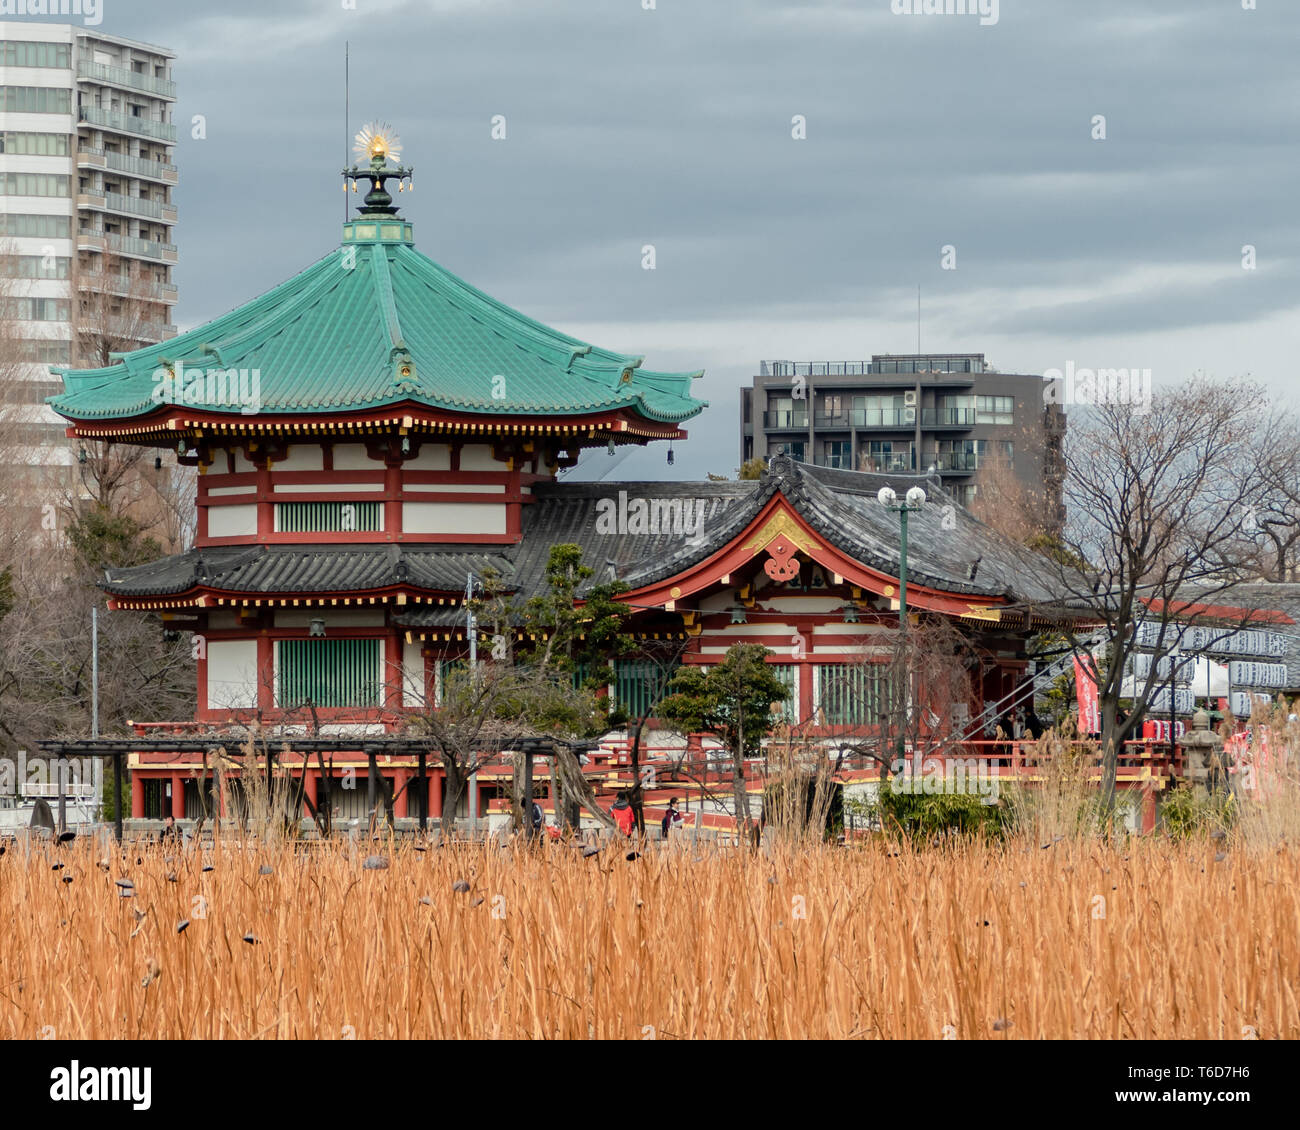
x=916 y=497
x=886 y=496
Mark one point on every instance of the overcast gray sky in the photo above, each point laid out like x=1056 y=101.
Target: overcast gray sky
x=673 y=127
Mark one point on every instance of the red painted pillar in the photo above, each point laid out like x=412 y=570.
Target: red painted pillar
x=435 y=795
x=309 y=785
x=1148 y=810
x=265 y=503
x=266 y=689
x=400 y=797
x=393 y=674
x=806 y=674
x=137 y=796
x=393 y=501
x=178 y=796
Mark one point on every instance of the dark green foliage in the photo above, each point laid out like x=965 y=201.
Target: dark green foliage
x=1190 y=811
x=917 y=815
x=101 y=539
x=727 y=698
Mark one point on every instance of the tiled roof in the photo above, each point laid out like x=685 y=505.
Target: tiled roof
x=944 y=541
x=336 y=336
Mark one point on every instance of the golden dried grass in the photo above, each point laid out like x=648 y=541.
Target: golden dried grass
x=680 y=943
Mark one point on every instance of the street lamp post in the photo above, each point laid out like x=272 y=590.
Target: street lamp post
x=914 y=500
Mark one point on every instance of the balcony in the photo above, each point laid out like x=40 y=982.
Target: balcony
x=100 y=282
x=133 y=329
x=786 y=420
x=953 y=462
x=130 y=246
x=947 y=417
x=814 y=368
x=130 y=80
x=831 y=420
x=887 y=462
x=883 y=417
x=127 y=123
x=88 y=158
x=140 y=206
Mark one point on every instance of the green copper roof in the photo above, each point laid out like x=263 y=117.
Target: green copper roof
x=377 y=323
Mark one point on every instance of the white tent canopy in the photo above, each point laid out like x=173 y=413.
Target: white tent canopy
x=1217 y=674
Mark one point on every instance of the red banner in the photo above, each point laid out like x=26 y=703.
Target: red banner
x=1085 y=692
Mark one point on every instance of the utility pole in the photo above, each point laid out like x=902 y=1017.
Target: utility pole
x=94 y=670
x=471 y=625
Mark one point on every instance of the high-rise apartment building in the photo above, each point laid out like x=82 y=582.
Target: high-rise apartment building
x=950 y=415
x=86 y=214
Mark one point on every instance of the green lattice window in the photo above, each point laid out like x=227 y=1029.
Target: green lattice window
x=852 y=694
x=329 y=673
x=639 y=684
x=788 y=674
x=328 y=517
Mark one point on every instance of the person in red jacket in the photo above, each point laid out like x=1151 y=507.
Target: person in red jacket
x=623 y=815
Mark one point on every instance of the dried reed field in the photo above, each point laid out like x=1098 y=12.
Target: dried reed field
x=1143 y=939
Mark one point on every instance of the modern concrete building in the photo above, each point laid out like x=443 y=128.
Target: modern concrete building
x=908 y=414
x=86 y=215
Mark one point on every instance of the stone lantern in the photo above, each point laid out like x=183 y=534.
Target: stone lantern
x=1205 y=762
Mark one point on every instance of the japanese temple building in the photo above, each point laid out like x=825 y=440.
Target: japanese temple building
x=374 y=431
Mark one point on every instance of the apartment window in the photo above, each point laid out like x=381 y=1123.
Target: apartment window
x=832 y=405
x=49 y=353
x=19 y=53
x=37 y=99
x=42 y=309
x=20 y=144
x=889 y=456
x=1006 y=450
x=36 y=266
x=41 y=227
x=797 y=451
x=995 y=409
x=33 y=184
x=328 y=517
x=329 y=673
x=36 y=392
x=852 y=694
x=837 y=453
x=878 y=410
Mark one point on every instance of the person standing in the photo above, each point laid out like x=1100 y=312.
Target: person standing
x=672 y=818
x=623 y=815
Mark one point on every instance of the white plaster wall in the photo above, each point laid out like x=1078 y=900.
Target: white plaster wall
x=302 y=457
x=478 y=457
x=432 y=457
x=337 y=617
x=459 y=488
x=453 y=518
x=317 y=488
x=412 y=675
x=353 y=457
x=232 y=521
x=232 y=674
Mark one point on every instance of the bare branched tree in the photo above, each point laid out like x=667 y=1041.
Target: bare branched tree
x=1157 y=499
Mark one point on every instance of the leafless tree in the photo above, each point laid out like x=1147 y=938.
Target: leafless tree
x=1156 y=499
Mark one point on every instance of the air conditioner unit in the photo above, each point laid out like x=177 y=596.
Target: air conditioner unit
x=909 y=415
x=909 y=398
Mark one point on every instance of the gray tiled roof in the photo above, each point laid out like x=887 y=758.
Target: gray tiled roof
x=944 y=541
x=1267 y=595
